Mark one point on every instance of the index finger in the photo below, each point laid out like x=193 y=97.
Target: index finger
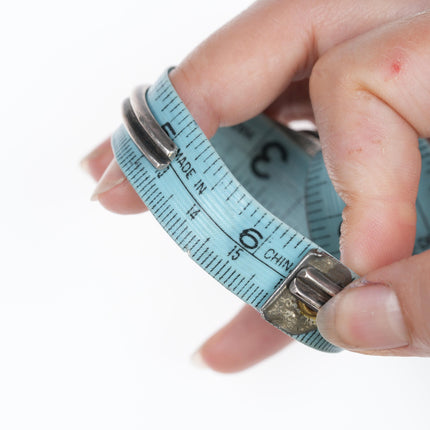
x=242 y=68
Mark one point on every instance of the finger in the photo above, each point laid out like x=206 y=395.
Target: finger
x=293 y=104
x=243 y=342
x=96 y=162
x=210 y=81
x=371 y=100
x=100 y=163
x=241 y=69
x=387 y=313
x=115 y=193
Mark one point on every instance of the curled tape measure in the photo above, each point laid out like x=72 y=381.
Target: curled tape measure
x=244 y=205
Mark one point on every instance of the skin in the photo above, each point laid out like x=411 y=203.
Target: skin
x=360 y=71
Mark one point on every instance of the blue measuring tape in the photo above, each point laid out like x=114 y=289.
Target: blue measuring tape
x=244 y=205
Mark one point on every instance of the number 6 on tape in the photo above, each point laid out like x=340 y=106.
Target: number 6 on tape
x=242 y=206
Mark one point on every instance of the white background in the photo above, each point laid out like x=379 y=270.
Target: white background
x=99 y=313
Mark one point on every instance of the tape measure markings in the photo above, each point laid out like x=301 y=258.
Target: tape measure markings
x=216 y=262
x=249 y=290
x=203 y=199
x=220 y=175
x=246 y=287
x=219 y=226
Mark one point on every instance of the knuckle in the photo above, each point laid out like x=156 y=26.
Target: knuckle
x=329 y=73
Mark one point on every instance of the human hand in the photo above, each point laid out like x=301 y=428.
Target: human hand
x=360 y=72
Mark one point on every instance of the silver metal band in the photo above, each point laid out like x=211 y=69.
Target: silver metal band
x=317 y=277
x=145 y=131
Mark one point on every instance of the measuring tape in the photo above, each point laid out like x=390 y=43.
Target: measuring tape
x=244 y=205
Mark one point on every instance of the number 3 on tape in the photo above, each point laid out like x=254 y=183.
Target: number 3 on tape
x=244 y=205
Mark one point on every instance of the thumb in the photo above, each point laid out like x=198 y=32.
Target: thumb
x=386 y=313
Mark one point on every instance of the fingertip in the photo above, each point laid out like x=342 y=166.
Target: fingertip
x=198 y=361
x=122 y=199
x=96 y=162
x=366 y=317
x=115 y=193
x=246 y=340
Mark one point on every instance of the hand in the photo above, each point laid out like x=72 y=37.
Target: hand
x=361 y=71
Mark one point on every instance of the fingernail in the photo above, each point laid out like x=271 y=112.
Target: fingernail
x=112 y=177
x=198 y=361
x=367 y=317
x=85 y=165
